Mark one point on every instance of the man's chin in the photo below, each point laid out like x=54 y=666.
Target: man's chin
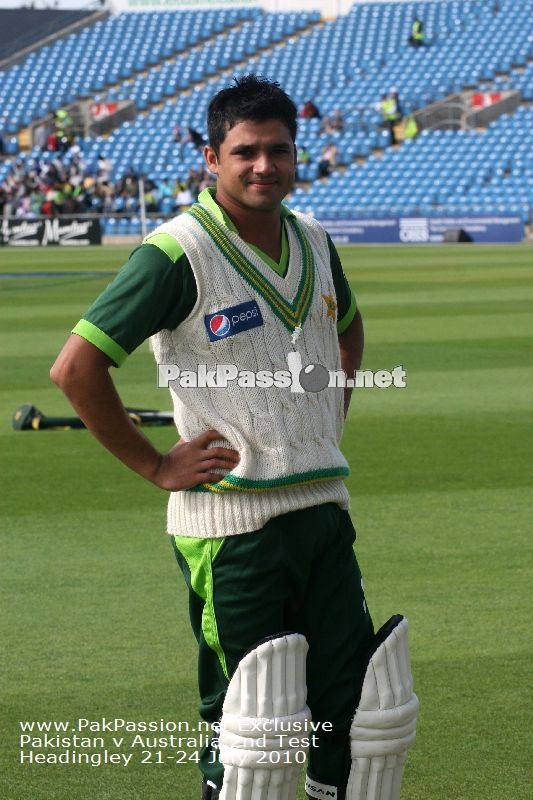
x=265 y=201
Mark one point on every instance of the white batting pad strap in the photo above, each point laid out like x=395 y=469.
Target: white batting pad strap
x=384 y=725
x=263 y=720
x=384 y=733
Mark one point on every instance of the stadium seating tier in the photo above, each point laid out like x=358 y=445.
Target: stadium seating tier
x=170 y=64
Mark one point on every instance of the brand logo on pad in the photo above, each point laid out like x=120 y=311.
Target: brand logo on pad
x=319 y=790
x=236 y=319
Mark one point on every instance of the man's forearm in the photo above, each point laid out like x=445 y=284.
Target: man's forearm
x=351 y=345
x=82 y=374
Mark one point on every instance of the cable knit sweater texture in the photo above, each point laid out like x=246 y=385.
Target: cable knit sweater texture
x=288 y=442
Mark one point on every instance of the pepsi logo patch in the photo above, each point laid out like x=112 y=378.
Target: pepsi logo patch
x=219 y=325
x=233 y=320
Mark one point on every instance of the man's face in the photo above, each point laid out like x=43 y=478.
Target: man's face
x=255 y=166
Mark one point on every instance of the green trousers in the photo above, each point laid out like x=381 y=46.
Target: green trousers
x=298 y=573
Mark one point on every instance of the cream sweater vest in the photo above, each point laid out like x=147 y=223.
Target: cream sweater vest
x=288 y=442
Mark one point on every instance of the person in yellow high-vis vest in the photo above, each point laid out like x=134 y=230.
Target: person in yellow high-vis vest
x=390 y=115
x=417 y=36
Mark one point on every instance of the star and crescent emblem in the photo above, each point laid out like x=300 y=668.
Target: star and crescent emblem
x=331 y=305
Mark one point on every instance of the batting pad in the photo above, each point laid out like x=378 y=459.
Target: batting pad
x=264 y=719
x=384 y=726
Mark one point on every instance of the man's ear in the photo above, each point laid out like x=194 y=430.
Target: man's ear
x=211 y=159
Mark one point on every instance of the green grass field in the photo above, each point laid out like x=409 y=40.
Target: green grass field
x=94 y=611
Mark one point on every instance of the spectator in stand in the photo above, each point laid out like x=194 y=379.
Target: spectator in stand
x=41 y=135
x=23 y=208
x=333 y=124
x=36 y=201
x=193 y=181
x=303 y=158
x=103 y=169
x=76 y=169
x=164 y=188
x=93 y=195
x=309 y=111
x=328 y=159
x=198 y=179
x=336 y=122
x=325 y=126
x=128 y=184
x=151 y=195
x=394 y=94
x=206 y=179
x=410 y=128
x=98 y=196
x=73 y=202
x=51 y=142
x=48 y=207
x=184 y=196
x=417 y=36
x=18 y=172
x=7 y=201
x=389 y=114
x=107 y=193
x=64 y=130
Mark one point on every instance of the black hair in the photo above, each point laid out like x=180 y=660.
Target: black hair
x=254 y=98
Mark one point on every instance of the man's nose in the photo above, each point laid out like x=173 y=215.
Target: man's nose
x=263 y=163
